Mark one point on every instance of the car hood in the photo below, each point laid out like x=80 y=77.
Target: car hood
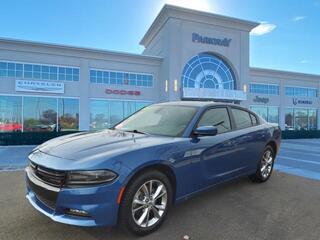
x=102 y=144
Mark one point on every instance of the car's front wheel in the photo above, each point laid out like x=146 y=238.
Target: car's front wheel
x=265 y=166
x=145 y=202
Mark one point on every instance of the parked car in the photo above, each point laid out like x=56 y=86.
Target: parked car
x=10 y=127
x=133 y=173
x=42 y=128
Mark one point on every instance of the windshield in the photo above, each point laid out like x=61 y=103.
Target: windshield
x=159 y=120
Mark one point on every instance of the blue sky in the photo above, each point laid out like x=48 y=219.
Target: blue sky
x=288 y=39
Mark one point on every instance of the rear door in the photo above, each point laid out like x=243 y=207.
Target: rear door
x=249 y=138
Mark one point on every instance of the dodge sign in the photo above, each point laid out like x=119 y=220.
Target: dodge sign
x=123 y=92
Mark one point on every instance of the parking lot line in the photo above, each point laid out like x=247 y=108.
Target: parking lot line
x=299 y=160
x=300 y=157
x=297 y=171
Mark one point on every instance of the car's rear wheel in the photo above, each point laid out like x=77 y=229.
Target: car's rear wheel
x=265 y=166
x=145 y=202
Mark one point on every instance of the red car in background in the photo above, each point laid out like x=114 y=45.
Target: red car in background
x=10 y=127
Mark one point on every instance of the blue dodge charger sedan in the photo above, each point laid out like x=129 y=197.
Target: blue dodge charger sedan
x=134 y=172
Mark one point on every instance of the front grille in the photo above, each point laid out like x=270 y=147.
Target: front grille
x=52 y=177
x=44 y=195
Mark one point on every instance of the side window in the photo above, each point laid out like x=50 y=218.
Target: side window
x=217 y=117
x=242 y=118
x=253 y=120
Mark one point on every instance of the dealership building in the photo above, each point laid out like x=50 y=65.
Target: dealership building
x=188 y=55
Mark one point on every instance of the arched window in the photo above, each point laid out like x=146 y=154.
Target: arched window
x=208 y=71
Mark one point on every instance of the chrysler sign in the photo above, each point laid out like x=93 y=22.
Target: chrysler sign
x=225 y=42
x=39 y=86
x=122 y=92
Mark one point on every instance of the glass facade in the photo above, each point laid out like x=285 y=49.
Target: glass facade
x=68 y=114
x=38 y=114
x=312 y=119
x=38 y=72
x=121 y=78
x=261 y=111
x=10 y=114
x=208 y=71
x=301 y=92
x=289 y=121
x=261 y=88
x=270 y=114
x=300 y=119
x=273 y=114
x=205 y=70
x=106 y=113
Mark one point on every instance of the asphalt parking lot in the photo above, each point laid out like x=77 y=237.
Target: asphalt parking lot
x=286 y=207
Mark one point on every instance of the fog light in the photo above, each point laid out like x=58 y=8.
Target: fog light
x=77 y=212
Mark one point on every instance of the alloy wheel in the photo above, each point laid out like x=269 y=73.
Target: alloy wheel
x=266 y=164
x=149 y=203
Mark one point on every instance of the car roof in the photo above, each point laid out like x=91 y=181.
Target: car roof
x=198 y=104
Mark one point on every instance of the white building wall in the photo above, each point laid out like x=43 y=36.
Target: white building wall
x=168 y=47
x=85 y=59
x=284 y=79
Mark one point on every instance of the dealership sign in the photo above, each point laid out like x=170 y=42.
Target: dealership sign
x=39 y=86
x=211 y=93
x=296 y=101
x=263 y=100
x=122 y=92
x=225 y=42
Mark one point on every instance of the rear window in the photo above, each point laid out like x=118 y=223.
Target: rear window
x=253 y=120
x=242 y=118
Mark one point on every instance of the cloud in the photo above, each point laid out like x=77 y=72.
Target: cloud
x=298 y=18
x=262 y=29
x=304 y=61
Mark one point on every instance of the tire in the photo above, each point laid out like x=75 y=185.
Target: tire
x=137 y=201
x=265 y=166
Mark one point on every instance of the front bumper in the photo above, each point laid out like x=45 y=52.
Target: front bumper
x=99 y=202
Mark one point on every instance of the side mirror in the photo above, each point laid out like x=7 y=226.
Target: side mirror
x=206 y=131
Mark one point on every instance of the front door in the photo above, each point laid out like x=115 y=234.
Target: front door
x=218 y=159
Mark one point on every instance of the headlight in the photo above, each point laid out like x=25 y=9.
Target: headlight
x=76 y=178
